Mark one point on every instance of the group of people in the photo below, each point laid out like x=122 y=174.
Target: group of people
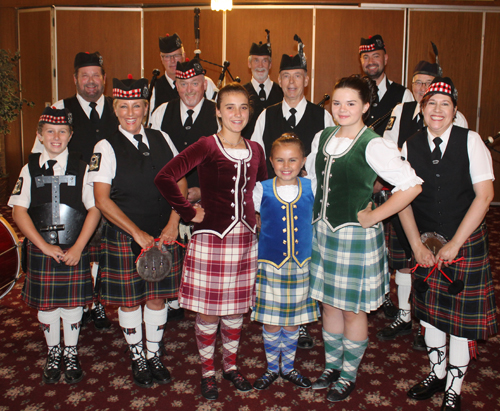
x=276 y=214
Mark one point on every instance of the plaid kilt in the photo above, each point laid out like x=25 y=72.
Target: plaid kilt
x=94 y=253
x=219 y=274
x=50 y=285
x=119 y=282
x=349 y=267
x=396 y=256
x=471 y=313
x=282 y=295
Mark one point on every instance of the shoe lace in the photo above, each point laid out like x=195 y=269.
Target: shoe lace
x=441 y=357
x=54 y=355
x=70 y=357
x=399 y=320
x=137 y=355
x=99 y=311
x=342 y=384
x=210 y=383
x=303 y=331
x=328 y=372
x=450 y=397
x=267 y=375
x=388 y=302
x=156 y=362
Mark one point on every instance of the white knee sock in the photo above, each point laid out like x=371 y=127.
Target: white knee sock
x=50 y=321
x=72 y=320
x=94 y=271
x=403 y=280
x=436 y=347
x=154 y=321
x=459 y=357
x=131 y=324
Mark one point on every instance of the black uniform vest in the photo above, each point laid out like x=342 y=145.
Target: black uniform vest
x=275 y=96
x=407 y=124
x=311 y=122
x=163 y=92
x=133 y=188
x=392 y=97
x=447 y=192
x=85 y=133
x=204 y=125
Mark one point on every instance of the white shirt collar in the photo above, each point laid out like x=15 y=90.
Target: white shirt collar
x=445 y=137
x=62 y=161
x=170 y=81
x=301 y=108
x=268 y=85
x=131 y=138
x=86 y=108
x=382 y=87
x=417 y=111
x=196 y=110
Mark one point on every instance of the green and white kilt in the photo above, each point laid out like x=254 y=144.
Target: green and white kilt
x=282 y=295
x=119 y=282
x=50 y=285
x=349 y=267
x=471 y=313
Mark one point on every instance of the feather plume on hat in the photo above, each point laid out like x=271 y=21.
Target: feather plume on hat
x=440 y=70
x=301 y=50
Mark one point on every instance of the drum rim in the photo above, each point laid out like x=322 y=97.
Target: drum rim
x=14 y=237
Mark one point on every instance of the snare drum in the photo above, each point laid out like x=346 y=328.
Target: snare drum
x=10 y=257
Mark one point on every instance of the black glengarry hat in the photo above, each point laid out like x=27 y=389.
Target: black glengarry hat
x=298 y=61
x=52 y=115
x=189 y=69
x=372 y=43
x=442 y=85
x=168 y=44
x=261 y=49
x=88 y=59
x=130 y=89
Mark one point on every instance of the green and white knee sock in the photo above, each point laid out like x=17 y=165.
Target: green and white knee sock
x=334 y=350
x=353 y=354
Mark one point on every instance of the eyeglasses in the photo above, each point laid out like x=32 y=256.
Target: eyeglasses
x=171 y=57
x=420 y=84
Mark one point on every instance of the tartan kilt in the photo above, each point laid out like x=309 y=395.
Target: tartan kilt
x=218 y=277
x=94 y=253
x=50 y=285
x=396 y=256
x=471 y=313
x=349 y=267
x=282 y=295
x=119 y=282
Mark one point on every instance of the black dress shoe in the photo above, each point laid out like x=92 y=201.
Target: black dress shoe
x=209 y=388
x=341 y=390
x=101 y=322
x=419 y=343
x=141 y=373
x=427 y=388
x=158 y=371
x=398 y=327
x=265 y=380
x=305 y=341
x=73 y=373
x=390 y=310
x=240 y=382
x=329 y=376
x=53 y=365
x=296 y=378
x=451 y=401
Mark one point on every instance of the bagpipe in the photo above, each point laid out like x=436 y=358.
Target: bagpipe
x=490 y=141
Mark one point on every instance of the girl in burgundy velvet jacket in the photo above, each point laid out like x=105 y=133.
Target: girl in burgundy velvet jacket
x=221 y=258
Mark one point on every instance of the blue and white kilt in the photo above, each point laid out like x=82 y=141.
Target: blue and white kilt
x=282 y=295
x=349 y=267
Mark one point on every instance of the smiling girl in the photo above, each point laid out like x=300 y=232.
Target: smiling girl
x=348 y=266
x=221 y=259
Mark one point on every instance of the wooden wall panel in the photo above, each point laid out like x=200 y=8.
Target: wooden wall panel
x=247 y=26
x=338 y=34
x=35 y=70
x=158 y=23
x=115 y=34
x=459 y=51
x=489 y=124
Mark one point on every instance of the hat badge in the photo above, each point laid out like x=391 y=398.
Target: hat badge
x=70 y=118
x=178 y=42
x=145 y=92
x=197 y=67
x=101 y=61
x=379 y=43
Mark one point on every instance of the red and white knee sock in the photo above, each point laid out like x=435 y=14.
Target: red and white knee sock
x=230 y=330
x=206 y=333
x=154 y=321
x=50 y=322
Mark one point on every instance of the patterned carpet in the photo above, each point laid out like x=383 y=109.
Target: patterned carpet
x=387 y=371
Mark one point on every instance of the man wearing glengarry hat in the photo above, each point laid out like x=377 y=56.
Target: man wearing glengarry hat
x=263 y=92
x=171 y=53
x=373 y=59
x=93 y=120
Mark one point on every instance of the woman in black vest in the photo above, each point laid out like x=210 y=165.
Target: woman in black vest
x=457 y=169
x=123 y=169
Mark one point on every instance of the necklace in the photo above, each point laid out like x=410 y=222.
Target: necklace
x=231 y=144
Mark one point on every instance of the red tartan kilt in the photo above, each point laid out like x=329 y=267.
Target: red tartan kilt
x=396 y=256
x=119 y=282
x=94 y=253
x=471 y=313
x=50 y=285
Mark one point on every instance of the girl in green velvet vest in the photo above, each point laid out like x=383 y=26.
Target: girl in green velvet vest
x=349 y=272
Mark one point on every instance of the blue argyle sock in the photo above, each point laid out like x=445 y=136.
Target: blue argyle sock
x=272 y=347
x=288 y=349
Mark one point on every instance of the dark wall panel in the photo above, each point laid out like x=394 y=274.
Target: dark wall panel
x=160 y=22
x=35 y=71
x=338 y=34
x=115 y=34
x=457 y=36
x=245 y=27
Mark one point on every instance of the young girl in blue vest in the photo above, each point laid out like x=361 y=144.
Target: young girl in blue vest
x=349 y=272
x=282 y=287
